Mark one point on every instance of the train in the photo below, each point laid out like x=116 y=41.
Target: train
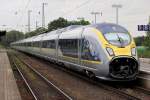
x=103 y=50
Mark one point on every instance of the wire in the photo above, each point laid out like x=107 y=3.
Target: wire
x=26 y=6
x=77 y=7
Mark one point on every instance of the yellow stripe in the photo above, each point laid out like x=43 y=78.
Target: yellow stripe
x=67 y=57
x=87 y=61
x=91 y=61
x=101 y=39
x=118 y=51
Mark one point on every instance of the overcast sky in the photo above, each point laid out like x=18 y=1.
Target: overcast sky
x=13 y=13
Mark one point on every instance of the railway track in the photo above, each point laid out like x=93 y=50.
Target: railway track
x=58 y=93
x=116 y=89
x=25 y=81
x=144 y=80
x=23 y=86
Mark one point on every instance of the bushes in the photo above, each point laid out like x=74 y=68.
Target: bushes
x=143 y=52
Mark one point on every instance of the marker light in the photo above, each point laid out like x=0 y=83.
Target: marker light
x=133 y=51
x=110 y=51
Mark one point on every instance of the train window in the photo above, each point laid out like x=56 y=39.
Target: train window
x=111 y=28
x=53 y=44
x=35 y=44
x=89 y=50
x=119 y=39
x=69 y=47
x=89 y=46
x=24 y=44
x=28 y=44
x=115 y=34
x=44 y=43
x=49 y=44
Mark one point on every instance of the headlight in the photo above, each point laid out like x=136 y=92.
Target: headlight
x=133 y=51
x=110 y=51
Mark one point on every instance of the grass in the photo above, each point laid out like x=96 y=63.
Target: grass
x=143 y=52
x=1 y=46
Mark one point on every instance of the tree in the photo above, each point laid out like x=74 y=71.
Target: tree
x=58 y=23
x=12 y=36
x=147 y=39
x=61 y=23
x=2 y=33
x=81 y=22
x=148 y=32
x=38 y=31
x=55 y=24
x=139 y=40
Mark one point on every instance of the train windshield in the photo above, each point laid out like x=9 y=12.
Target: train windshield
x=115 y=34
x=119 y=39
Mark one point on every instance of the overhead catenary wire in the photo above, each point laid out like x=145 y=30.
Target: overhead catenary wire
x=70 y=11
x=26 y=6
x=77 y=7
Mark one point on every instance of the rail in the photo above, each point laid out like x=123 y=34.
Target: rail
x=46 y=80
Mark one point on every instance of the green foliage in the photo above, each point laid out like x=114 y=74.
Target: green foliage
x=56 y=24
x=143 y=52
x=2 y=33
x=12 y=36
x=147 y=42
x=81 y=22
x=61 y=23
x=1 y=45
x=148 y=32
x=139 y=40
x=147 y=39
x=35 y=32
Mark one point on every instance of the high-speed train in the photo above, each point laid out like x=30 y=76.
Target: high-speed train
x=103 y=50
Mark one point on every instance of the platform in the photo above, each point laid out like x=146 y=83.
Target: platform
x=145 y=65
x=8 y=86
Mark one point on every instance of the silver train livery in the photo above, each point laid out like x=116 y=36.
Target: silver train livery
x=103 y=50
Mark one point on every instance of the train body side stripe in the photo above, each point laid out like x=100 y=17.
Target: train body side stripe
x=88 y=61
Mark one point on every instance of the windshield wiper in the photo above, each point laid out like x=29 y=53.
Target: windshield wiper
x=120 y=40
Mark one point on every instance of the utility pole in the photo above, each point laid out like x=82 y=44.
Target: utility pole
x=36 y=25
x=29 y=12
x=43 y=14
x=117 y=10
x=95 y=14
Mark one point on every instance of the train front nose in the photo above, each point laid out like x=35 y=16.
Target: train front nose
x=123 y=67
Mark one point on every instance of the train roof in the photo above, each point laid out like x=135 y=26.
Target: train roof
x=48 y=35
x=110 y=27
x=54 y=34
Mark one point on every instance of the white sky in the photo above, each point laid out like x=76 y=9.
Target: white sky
x=133 y=12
